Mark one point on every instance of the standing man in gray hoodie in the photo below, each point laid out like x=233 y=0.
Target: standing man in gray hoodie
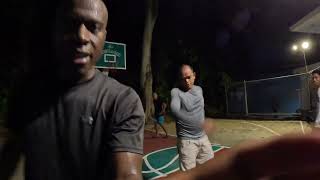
x=187 y=105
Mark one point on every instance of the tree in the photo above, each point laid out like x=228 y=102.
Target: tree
x=146 y=70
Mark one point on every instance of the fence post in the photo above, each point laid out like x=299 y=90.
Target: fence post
x=245 y=96
x=308 y=91
x=226 y=96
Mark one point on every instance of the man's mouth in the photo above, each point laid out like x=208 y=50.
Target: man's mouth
x=81 y=58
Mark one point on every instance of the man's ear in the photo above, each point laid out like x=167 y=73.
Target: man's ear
x=194 y=74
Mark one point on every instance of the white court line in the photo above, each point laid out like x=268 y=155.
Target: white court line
x=177 y=169
x=173 y=159
x=161 y=174
x=302 y=128
x=146 y=156
x=216 y=144
x=152 y=169
x=268 y=129
x=164 y=166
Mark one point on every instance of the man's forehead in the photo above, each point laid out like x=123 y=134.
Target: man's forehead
x=89 y=4
x=186 y=70
x=187 y=73
x=94 y=8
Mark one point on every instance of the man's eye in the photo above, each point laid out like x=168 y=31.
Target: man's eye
x=70 y=24
x=93 y=27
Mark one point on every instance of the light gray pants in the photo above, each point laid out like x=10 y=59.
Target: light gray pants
x=193 y=152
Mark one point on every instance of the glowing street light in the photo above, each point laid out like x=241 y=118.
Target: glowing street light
x=294 y=47
x=305 y=45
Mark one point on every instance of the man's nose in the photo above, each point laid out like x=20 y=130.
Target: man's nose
x=83 y=35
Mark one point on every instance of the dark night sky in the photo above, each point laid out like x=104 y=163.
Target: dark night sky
x=250 y=37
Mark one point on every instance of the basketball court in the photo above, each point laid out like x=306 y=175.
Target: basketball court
x=158 y=162
x=161 y=157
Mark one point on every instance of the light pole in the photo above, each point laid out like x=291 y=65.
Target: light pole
x=305 y=45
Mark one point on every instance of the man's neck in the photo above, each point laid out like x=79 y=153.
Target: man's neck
x=71 y=80
x=87 y=77
x=184 y=89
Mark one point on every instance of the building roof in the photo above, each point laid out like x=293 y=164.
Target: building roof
x=309 y=23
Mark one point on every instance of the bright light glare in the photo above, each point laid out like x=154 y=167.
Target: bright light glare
x=305 y=45
x=295 y=47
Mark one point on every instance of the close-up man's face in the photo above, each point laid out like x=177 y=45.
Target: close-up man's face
x=79 y=36
x=316 y=79
x=187 y=77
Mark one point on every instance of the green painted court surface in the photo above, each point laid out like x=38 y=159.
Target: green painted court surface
x=165 y=161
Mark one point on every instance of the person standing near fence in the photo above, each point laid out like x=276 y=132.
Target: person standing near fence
x=316 y=82
x=160 y=110
x=187 y=106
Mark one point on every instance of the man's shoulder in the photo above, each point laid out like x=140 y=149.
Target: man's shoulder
x=195 y=87
x=114 y=88
x=175 y=91
x=111 y=83
x=116 y=85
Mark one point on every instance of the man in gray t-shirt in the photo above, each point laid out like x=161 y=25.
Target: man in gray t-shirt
x=187 y=105
x=70 y=120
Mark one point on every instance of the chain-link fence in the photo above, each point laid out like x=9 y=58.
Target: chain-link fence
x=277 y=96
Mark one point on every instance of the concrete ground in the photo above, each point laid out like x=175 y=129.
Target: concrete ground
x=230 y=132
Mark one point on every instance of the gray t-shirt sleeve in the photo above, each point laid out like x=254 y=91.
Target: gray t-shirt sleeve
x=175 y=102
x=176 y=108
x=128 y=123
